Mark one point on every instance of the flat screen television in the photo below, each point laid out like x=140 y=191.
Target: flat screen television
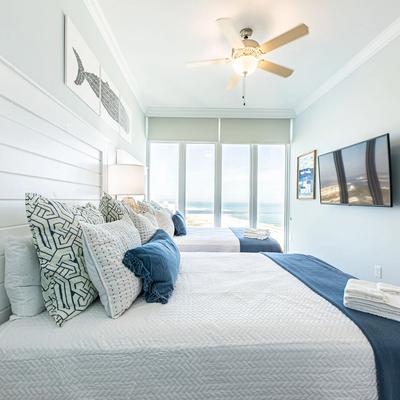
x=357 y=175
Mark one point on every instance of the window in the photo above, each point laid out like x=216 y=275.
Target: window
x=235 y=185
x=164 y=174
x=271 y=189
x=200 y=162
x=246 y=182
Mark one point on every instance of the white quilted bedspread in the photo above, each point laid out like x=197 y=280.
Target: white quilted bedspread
x=237 y=327
x=208 y=239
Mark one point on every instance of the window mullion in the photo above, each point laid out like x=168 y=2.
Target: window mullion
x=182 y=178
x=253 y=184
x=218 y=184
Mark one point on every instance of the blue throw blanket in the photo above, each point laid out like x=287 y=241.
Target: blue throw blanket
x=249 y=245
x=383 y=334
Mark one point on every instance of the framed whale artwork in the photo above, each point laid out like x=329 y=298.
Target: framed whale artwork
x=85 y=76
x=110 y=101
x=82 y=68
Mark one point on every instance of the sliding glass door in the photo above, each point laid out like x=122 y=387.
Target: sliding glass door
x=235 y=185
x=164 y=174
x=200 y=165
x=271 y=189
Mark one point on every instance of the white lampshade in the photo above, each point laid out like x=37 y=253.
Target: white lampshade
x=124 y=179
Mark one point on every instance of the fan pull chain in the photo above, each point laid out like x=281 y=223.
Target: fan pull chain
x=244 y=89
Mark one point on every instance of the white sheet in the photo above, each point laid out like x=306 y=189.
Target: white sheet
x=208 y=239
x=237 y=327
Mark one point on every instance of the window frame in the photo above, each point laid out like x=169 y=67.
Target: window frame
x=253 y=181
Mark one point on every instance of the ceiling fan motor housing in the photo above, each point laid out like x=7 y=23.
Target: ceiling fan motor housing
x=245 y=33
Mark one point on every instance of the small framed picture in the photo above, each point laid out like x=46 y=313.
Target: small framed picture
x=306 y=175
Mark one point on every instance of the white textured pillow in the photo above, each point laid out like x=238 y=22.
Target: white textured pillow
x=143 y=225
x=104 y=247
x=22 y=277
x=164 y=221
x=151 y=218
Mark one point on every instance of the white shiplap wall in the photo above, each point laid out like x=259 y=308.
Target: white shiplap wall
x=44 y=148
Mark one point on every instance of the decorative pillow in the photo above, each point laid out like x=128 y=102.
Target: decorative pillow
x=112 y=209
x=104 y=247
x=22 y=277
x=151 y=218
x=144 y=207
x=164 y=221
x=179 y=223
x=157 y=263
x=155 y=205
x=57 y=236
x=143 y=225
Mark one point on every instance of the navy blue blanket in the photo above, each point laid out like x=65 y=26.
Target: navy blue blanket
x=383 y=334
x=248 y=245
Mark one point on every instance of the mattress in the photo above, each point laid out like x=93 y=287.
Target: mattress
x=208 y=240
x=237 y=327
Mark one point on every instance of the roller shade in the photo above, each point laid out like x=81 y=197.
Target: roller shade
x=255 y=131
x=183 y=129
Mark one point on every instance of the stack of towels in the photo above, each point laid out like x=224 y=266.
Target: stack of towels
x=260 y=234
x=380 y=299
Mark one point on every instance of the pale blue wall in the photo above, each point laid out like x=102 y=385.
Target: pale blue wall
x=364 y=105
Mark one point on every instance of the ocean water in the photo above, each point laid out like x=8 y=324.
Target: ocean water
x=268 y=213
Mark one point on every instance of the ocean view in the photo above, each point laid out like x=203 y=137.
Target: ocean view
x=268 y=213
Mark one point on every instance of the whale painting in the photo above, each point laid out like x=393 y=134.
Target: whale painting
x=85 y=77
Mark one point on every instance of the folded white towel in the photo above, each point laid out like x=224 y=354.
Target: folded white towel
x=260 y=234
x=388 y=288
x=363 y=290
x=257 y=231
x=373 y=310
x=379 y=299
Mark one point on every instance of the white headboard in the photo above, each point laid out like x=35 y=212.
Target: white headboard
x=44 y=148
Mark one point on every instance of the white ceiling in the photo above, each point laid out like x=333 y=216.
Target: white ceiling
x=157 y=37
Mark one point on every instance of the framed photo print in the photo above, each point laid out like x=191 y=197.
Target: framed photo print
x=306 y=175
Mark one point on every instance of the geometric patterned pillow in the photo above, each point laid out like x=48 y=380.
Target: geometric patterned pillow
x=66 y=287
x=112 y=209
x=104 y=247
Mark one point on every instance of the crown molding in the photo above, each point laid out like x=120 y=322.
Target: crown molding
x=373 y=47
x=100 y=20
x=191 y=112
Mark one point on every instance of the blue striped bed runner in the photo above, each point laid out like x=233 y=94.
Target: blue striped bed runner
x=383 y=334
x=250 y=245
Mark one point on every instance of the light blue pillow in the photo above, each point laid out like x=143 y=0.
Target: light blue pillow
x=179 y=223
x=157 y=263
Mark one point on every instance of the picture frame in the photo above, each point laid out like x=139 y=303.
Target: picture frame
x=82 y=68
x=306 y=166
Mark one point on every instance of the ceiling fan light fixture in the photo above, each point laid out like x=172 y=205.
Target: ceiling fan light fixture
x=245 y=65
x=245 y=60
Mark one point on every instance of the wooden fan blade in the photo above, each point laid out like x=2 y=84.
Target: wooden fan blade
x=275 y=68
x=231 y=34
x=233 y=82
x=285 y=38
x=208 y=62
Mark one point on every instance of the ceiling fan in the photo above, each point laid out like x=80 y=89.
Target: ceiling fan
x=246 y=54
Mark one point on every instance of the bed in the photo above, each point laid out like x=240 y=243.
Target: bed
x=237 y=327
x=223 y=240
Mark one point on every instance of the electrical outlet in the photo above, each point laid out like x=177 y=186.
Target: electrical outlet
x=378 y=271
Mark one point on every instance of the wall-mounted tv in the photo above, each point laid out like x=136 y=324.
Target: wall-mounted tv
x=357 y=175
